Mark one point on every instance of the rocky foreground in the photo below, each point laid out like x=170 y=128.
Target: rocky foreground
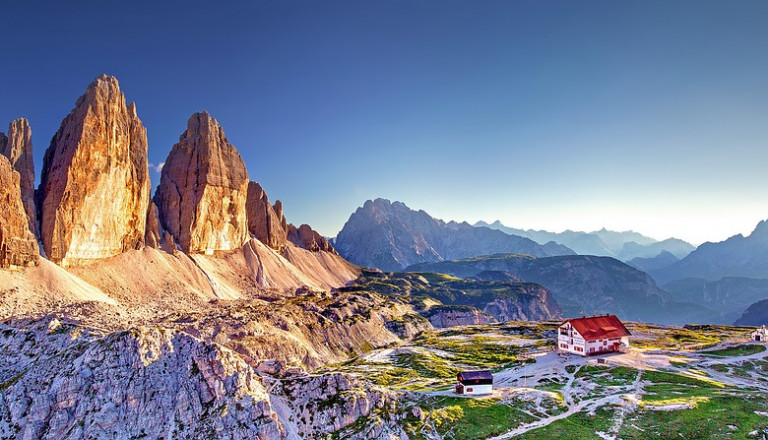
x=64 y=380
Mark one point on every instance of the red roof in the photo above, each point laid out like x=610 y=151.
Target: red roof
x=599 y=327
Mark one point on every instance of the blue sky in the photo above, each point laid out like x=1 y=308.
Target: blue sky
x=649 y=115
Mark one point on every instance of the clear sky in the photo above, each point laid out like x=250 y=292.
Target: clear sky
x=644 y=115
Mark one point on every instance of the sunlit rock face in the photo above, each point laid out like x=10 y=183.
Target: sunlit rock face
x=18 y=246
x=306 y=237
x=95 y=186
x=202 y=194
x=266 y=222
x=17 y=147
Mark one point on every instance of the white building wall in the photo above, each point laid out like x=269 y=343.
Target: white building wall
x=570 y=341
x=478 y=389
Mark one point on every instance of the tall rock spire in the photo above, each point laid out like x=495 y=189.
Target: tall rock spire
x=17 y=147
x=201 y=198
x=94 y=191
x=265 y=222
x=18 y=246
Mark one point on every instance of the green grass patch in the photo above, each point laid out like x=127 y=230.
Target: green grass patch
x=477 y=352
x=720 y=418
x=427 y=364
x=739 y=350
x=607 y=376
x=576 y=427
x=9 y=383
x=470 y=419
x=675 y=388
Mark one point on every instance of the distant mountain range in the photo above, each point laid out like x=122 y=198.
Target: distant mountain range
x=582 y=285
x=737 y=256
x=391 y=236
x=714 y=283
x=624 y=245
x=662 y=260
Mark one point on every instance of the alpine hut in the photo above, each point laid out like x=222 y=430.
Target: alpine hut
x=760 y=335
x=474 y=382
x=588 y=336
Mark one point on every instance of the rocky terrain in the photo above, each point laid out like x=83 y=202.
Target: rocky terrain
x=391 y=236
x=582 y=285
x=755 y=315
x=448 y=301
x=179 y=379
x=621 y=245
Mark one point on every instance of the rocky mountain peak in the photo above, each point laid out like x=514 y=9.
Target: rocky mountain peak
x=391 y=236
x=760 y=231
x=94 y=190
x=17 y=147
x=203 y=188
x=306 y=237
x=18 y=246
x=265 y=222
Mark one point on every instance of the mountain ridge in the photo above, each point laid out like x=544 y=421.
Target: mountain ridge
x=624 y=245
x=737 y=256
x=392 y=236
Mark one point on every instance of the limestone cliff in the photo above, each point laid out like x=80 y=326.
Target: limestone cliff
x=265 y=222
x=451 y=316
x=201 y=198
x=94 y=189
x=17 y=147
x=18 y=246
x=306 y=237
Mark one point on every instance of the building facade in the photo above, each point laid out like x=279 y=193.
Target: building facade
x=589 y=336
x=474 y=382
x=760 y=335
